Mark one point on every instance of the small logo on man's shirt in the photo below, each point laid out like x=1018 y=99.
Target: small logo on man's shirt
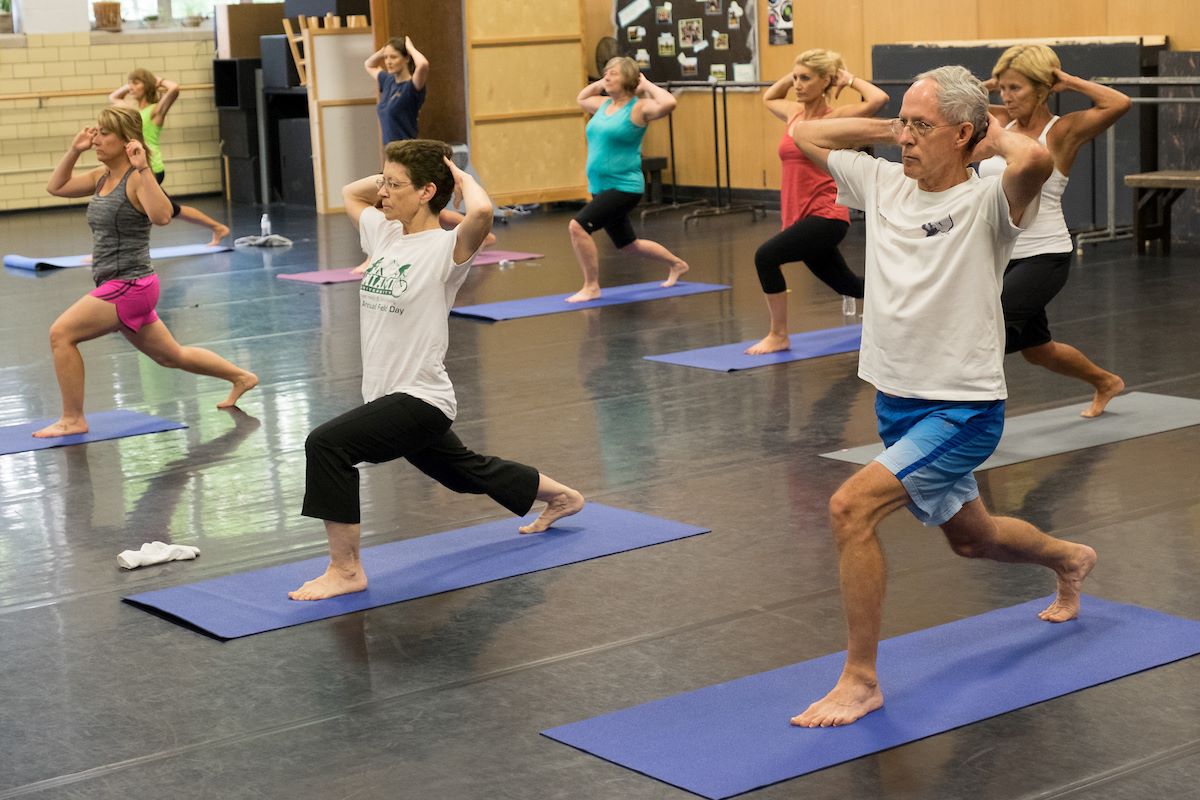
x=380 y=280
x=941 y=226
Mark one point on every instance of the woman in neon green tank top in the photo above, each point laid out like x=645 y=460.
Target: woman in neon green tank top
x=153 y=97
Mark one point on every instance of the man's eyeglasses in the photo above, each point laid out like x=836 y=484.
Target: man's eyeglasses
x=392 y=186
x=920 y=128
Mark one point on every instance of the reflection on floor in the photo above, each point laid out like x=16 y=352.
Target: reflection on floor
x=443 y=697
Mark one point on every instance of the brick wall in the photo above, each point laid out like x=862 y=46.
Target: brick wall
x=36 y=132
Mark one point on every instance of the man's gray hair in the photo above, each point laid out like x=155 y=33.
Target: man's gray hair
x=961 y=98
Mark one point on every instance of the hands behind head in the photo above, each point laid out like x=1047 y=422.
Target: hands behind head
x=843 y=79
x=83 y=140
x=136 y=154
x=1060 y=81
x=992 y=84
x=458 y=179
x=986 y=147
x=643 y=85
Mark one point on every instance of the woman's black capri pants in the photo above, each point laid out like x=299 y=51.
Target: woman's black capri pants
x=1030 y=283
x=813 y=240
x=610 y=210
x=401 y=426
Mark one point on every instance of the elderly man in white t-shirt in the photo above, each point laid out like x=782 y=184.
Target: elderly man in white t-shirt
x=938 y=239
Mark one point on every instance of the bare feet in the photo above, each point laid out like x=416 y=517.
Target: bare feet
x=1070 y=581
x=771 y=343
x=848 y=701
x=562 y=505
x=331 y=584
x=677 y=269
x=219 y=233
x=1111 y=389
x=585 y=294
x=240 y=386
x=64 y=427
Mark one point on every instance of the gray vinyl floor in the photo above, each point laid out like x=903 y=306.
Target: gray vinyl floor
x=444 y=697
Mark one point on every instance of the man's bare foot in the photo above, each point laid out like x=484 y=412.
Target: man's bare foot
x=562 y=505
x=771 y=343
x=1111 y=389
x=1070 y=582
x=333 y=583
x=847 y=702
x=584 y=294
x=677 y=269
x=64 y=427
x=219 y=233
x=240 y=386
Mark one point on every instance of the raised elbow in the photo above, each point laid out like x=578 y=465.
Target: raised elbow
x=161 y=218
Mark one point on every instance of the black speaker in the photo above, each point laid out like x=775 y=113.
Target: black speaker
x=233 y=82
x=244 y=183
x=239 y=132
x=278 y=68
x=319 y=8
x=295 y=163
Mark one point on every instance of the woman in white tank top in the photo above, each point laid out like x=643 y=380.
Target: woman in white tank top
x=1026 y=76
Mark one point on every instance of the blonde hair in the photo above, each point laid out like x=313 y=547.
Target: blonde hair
x=149 y=83
x=124 y=122
x=825 y=63
x=1036 y=62
x=630 y=73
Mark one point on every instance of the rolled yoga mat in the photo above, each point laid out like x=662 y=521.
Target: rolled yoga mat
x=253 y=602
x=732 y=357
x=67 y=262
x=348 y=274
x=557 y=303
x=101 y=425
x=1062 y=430
x=733 y=737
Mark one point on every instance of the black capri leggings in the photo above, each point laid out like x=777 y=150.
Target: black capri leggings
x=610 y=210
x=1030 y=283
x=813 y=240
x=401 y=426
x=175 y=209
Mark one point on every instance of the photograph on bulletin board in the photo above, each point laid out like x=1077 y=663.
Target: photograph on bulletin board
x=779 y=21
x=691 y=40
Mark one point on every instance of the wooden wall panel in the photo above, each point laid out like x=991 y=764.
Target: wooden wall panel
x=839 y=28
x=887 y=21
x=501 y=19
x=503 y=83
x=1178 y=19
x=439 y=36
x=534 y=160
x=1026 y=19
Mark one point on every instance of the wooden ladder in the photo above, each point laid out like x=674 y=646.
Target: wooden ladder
x=295 y=36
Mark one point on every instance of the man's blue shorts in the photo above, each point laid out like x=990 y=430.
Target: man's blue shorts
x=933 y=446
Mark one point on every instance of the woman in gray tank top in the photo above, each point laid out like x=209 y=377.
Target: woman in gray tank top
x=126 y=200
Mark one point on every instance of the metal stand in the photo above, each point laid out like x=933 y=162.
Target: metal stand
x=722 y=208
x=674 y=204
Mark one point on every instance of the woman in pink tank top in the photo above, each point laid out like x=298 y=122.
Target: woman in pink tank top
x=813 y=222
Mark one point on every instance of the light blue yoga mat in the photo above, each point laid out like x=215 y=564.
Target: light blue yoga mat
x=253 y=602
x=1062 y=430
x=727 y=739
x=67 y=262
x=557 y=303
x=732 y=357
x=101 y=424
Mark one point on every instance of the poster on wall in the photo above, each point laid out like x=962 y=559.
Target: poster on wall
x=779 y=21
x=691 y=40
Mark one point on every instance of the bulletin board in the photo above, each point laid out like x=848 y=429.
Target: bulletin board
x=689 y=40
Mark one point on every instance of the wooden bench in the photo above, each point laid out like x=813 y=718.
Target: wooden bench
x=1153 y=195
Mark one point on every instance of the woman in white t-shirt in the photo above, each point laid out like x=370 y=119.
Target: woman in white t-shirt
x=1026 y=76
x=415 y=270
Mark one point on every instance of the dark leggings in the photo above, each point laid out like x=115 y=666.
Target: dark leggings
x=401 y=426
x=175 y=209
x=1030 y=283
x=813 y=240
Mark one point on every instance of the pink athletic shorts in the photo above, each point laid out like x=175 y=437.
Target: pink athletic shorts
x=135 y=300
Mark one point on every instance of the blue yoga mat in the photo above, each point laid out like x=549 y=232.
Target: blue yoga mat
x=727 y=739
x=732 y=357
x=66 y=262
x=253 y=602
x=557 y=304
x=102 y=425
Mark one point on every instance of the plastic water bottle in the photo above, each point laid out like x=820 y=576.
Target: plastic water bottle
x=505 y=263
x=264 y=225
x=849 y=306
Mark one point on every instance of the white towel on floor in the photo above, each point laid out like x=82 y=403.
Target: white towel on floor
x=156 y=553
x=271 y=240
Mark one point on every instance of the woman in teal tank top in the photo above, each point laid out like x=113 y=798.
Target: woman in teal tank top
x=614 y=170
x=152 y=97
x=125 y=202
